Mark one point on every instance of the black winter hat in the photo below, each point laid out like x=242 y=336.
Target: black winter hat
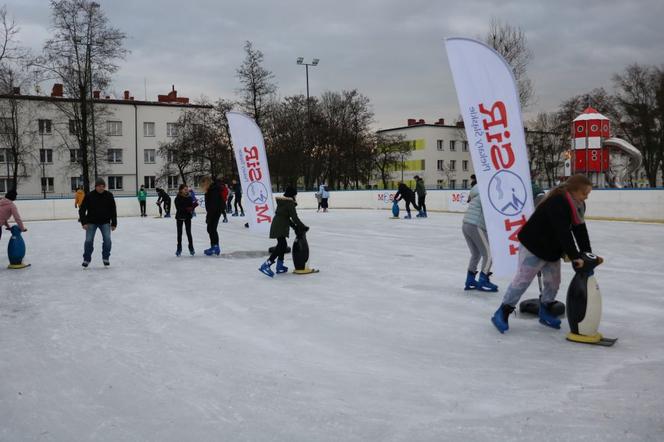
x=11 y=195
x=290 y=192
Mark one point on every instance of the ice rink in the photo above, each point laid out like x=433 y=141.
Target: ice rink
x=382 y=345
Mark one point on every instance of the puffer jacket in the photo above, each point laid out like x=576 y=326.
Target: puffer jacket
x=475 y=215
x=7 y=210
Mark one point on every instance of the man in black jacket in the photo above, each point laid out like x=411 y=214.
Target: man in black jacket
x=98 y=212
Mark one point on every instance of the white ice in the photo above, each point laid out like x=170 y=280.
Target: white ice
x=381 y=345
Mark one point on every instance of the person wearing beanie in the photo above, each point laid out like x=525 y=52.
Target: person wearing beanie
x=421 y=192
x=142 y=196
x=285 y=217
x=8 y=210
x=98 y=211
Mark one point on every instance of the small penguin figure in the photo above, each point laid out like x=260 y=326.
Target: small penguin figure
x=395 y=209
x=16 y=249
x=584 y=305
x=300 y=253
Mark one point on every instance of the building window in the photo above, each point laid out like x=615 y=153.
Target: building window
x=170 y=156
x=115 y=156
x=74 y=155
x=76 y=182
x=452 y=146
x=6 y=126
x=149 y=182
x=47 y=184
x=45 y=127
x=452 y=164
x=73 y=127
x=4 y=185
x=173 y=182
x=171 y=130
x=5 y=154
x=452 y=184
x=149 y=156
x=464 y=165
x=114 y=183
x=439 y=144
x=464 y=146
x=440 y=165
x=464 y=184
x=114 y=128
x=148 y=129
x=46 y=156
x=440 y=184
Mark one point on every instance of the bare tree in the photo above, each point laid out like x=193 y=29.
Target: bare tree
x=547 y=142
x=257 y=83
x=388 y=154
x=640 y=98
x=82 y=54
x=16 y=125
x=510 y=42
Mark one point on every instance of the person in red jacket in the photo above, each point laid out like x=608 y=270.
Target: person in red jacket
x=223 y=193
x=554 y=230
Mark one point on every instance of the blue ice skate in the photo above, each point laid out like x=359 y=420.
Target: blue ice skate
x=192 y=252
x=407 y=216
x=470 y=281
x=485 y=285
x=281 y=268
x=178 y=251
x=500 y=318
x=266 y=270
x=547 y=318
x=214 y=250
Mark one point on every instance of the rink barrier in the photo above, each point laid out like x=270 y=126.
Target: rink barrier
x=643 y=205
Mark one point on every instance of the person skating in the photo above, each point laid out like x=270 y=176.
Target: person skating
x=78 y=197
x=8 y=210
x=421 y=192
x=405 y=193
x=237 y=191
x=214 y=207
x=474 y=231
x=98 y=211
x=229 y=200
x=555 y=229
x=285 y=217
x=223 y=193
x=324 y=196
x=184 y=208
x=165 y=198
x=142 y=196
x=194 y=200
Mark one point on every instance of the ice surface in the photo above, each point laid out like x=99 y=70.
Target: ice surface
x=381 y=345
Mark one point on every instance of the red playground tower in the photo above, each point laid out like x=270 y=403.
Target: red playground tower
x=591 y=129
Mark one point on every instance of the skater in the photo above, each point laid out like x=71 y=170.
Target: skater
x=237 y=190
x=214 y=206
x=285 y=217
x=405 y=193
x=319 y=199
x=98 y=211
x=78 y=197
x=164 y=197
x=142 y=198
x=184 y=208
x=324 y=196
x=474 y=230
x=551 y=232
x=421 y=196
x=223 y=193
x=8 y=210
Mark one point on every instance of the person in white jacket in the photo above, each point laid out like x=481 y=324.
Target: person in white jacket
x=324 y=196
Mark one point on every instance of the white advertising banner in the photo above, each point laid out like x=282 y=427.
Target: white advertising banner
x=249 y=148
x=489 y=104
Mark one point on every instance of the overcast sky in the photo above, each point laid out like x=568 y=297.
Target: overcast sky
x=391 y=51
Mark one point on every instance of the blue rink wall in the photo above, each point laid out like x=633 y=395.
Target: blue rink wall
x=615 y=204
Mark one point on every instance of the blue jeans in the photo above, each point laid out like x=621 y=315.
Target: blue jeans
x=90 y=240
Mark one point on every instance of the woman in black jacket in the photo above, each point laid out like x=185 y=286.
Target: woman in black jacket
x=184 y=207
x=214 y=208
x=553 y=231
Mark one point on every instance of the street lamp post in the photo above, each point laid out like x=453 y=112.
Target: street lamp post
x=314 y=62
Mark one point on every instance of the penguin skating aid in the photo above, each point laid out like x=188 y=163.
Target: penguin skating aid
x=584 y=305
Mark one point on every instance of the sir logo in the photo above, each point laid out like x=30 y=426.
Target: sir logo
x=507 y=191
x=257 y=193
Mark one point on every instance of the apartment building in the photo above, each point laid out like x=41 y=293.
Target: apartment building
x=439 y=154
x=132 y=131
